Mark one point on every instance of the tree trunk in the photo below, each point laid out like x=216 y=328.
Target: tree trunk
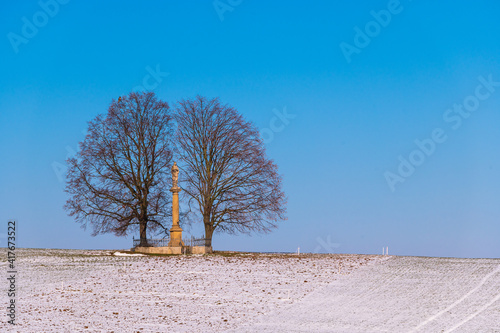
x=142 y=233
x=209 y=231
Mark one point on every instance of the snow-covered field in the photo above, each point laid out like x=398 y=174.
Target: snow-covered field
x=96 y=291
x=402 y=294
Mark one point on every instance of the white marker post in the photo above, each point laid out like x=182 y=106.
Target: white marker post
x=387 y=251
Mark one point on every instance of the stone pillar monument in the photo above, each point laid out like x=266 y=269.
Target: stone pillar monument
x=176 y=230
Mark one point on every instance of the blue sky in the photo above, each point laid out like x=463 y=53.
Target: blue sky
x=353 y=117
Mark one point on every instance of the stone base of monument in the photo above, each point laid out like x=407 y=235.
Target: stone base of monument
x=159 y=250
x=201 y=249
x=173 y=249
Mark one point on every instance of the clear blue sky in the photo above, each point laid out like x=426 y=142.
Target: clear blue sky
x=353 y=119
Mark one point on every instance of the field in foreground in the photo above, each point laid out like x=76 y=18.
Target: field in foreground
x=96 y=291
x=402 y=294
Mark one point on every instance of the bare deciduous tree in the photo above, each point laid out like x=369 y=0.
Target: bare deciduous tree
x=226 y=173
x=118 y=181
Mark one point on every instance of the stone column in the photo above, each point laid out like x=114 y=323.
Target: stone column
x=176 y=230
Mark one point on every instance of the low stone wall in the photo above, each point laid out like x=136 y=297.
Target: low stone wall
x=159 y=250
x=173 y=249
x=201 y=249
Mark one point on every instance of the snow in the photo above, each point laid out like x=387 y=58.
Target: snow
x=402 y=294
x=96 y=291
x=80 y=291
x=122 y=254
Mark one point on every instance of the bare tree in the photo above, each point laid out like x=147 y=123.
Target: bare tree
x=226 y=174
x=118 y=181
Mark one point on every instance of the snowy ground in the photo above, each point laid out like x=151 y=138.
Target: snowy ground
x=96 y=291
x=402 y=294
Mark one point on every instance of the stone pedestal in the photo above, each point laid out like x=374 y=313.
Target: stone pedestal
x=160 y=250
x=176 y=230
x=173 y=250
